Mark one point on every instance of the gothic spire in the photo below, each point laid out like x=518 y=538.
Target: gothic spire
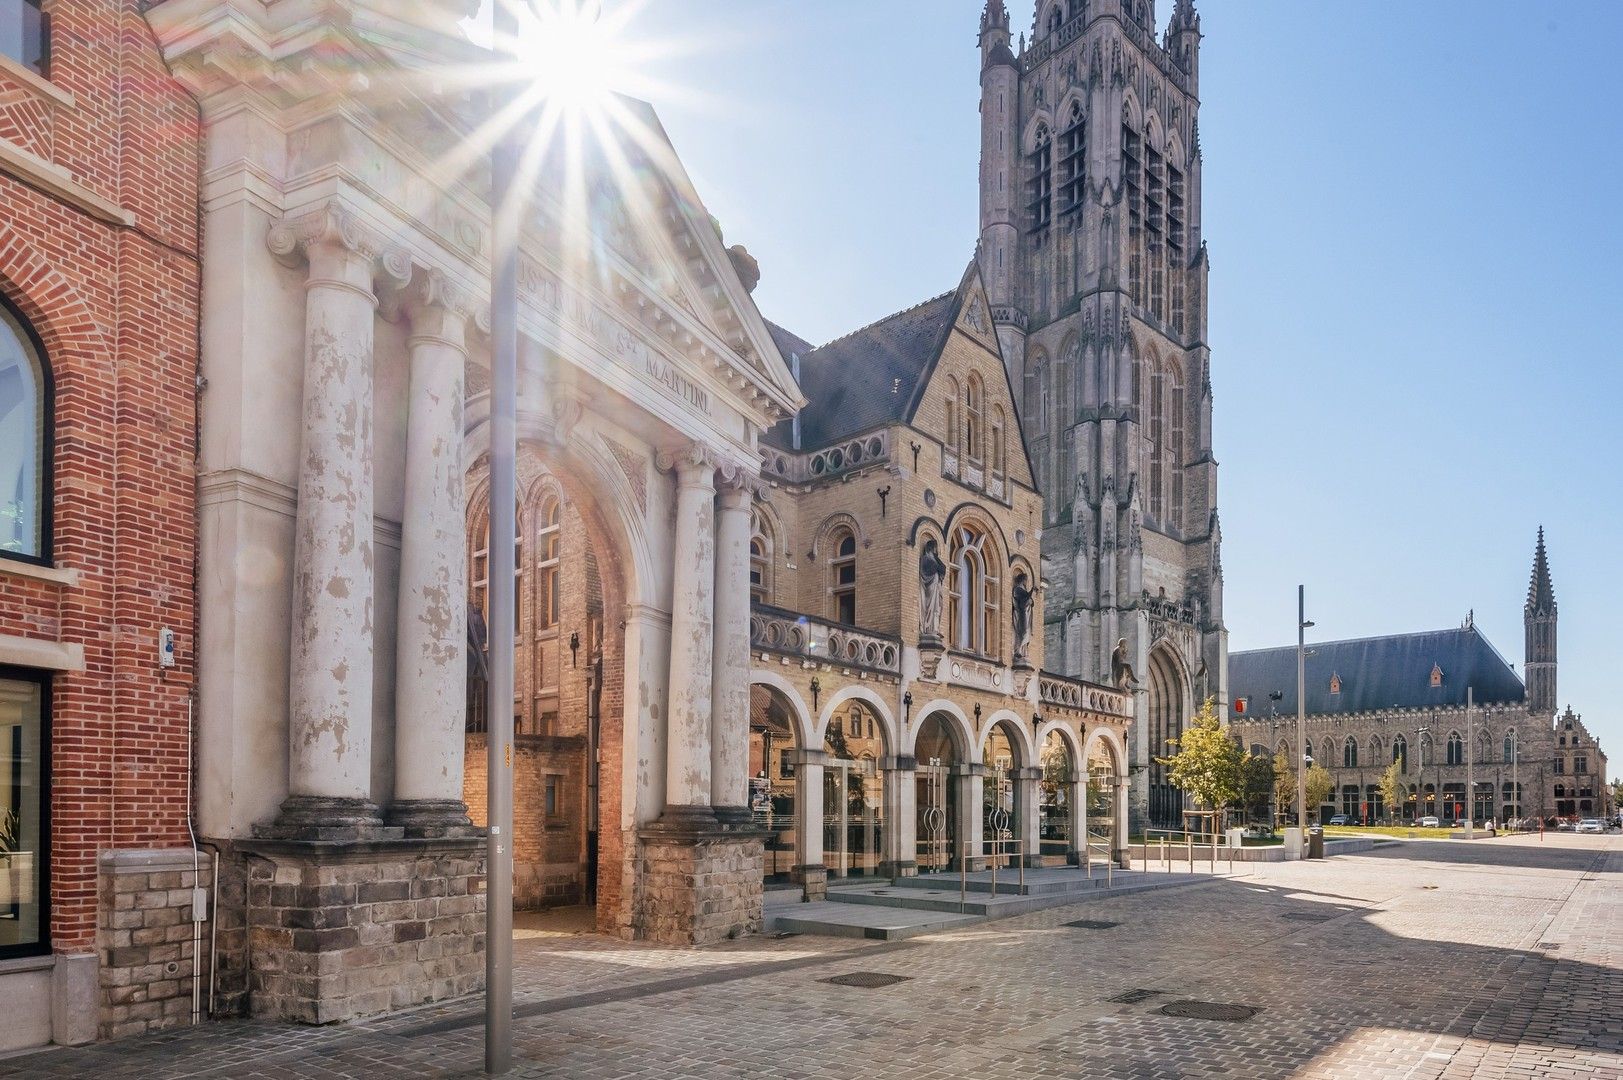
x=1184 y=16
x=1540 y=593
x=995 y=17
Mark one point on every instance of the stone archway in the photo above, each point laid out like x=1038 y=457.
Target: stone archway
x=1104 y=809
x=572 y=586
x=1170 y=705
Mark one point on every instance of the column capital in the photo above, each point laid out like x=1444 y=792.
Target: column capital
x=737 y=485
x=694 y=465
x=434 y=306
x=330 y=225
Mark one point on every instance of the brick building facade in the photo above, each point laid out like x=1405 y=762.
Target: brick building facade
x=98 y=357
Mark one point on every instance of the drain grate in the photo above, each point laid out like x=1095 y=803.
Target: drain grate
x=1133 y=997
x=1208 y=1010
x=868 y=980
x=1093 y=924
x=1549 y=945
x=1433 y=887
x=1306 y=916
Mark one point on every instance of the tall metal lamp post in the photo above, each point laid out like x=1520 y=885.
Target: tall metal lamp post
x=503 y=493
x=1302 y=625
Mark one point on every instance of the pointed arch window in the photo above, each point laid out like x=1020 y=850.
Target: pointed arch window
x=996 y=445
x=843 y=575
x=1073 y=154
x=547 y=541
x=974 y=419
x=760 y=562
x=1056 y=18
x=1511 y=749
x=1456 y=749
x=1036 y=414
x=1132 y=175
x=479 y=572
x=25 y=443
x=1041 y=185
x=1174 y=452
x=1349 y=753
x=1400 y=753
x=1158 y=441
x=973 y=591
x=954 y=438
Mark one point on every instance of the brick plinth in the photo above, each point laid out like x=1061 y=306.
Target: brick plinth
x=343 y=930
x=698 y=889
x=151 y=949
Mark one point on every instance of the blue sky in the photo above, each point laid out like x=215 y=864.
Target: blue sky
x=1411 y=211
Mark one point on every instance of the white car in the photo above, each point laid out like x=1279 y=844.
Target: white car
x=1429 y=822
x=1590 y=824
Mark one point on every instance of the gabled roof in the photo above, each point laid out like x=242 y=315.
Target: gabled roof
x=1377 y=674
x=867 y=378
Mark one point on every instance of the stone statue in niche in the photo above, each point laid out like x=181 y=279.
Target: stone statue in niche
x=932 y=577
x=1121 y=668
x=1024 y=600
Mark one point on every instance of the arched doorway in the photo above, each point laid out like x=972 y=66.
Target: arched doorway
x=774 y=767
x=939 y=757
x=1168 y=712
x=568 y=685
x=853 y=792
x=1103 y=807
x=1056 y=812
x=1001 y=805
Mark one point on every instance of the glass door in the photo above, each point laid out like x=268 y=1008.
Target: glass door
x=853 y=817
x=936 y=832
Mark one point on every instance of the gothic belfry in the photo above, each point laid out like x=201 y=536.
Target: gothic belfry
x=1539 y=619
x=1091 y=250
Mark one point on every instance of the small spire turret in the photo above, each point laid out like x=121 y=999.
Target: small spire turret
x=1539 y=619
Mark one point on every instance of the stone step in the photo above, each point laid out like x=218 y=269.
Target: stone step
x=1037 y=883
x=833 y=919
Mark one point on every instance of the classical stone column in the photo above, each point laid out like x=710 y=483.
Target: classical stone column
x=809 y=868
x=1028 y=814
x=730 y=675
x=971 y=781
x=1076 y=792
x=330 y=667
x=687 y=743
x=431 y=656
x=901 y=817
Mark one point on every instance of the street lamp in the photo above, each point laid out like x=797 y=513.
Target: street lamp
x=1302 y=624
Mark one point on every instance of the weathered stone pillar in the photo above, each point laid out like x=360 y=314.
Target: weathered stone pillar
x=1119 y=828
x=901 y=817
x=971 y=781
x=730 y=678
x=810 y=871
x=431 y=621
x=1076 y=794
x=687 y=745
x=1028 y=814
x=330 y=667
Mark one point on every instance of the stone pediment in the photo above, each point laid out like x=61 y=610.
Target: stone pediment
x=975 y=315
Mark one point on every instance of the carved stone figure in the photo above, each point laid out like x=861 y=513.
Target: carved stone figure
x=1121 y=668
x=932 y=576
x=1024 y=598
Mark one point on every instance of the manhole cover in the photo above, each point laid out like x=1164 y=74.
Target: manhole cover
x=1548 y=945
x=870 y=980
x=1092 y=924
x=1208 y=1010
x=1133 y=997
x=1305 y=916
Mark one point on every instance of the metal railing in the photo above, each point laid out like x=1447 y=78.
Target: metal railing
x=1209 y=844
x=1110 y=861
x=999 y=850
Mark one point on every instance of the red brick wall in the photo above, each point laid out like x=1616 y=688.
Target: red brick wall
x=116 y=308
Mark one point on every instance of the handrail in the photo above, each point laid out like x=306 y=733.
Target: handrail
x=1110 y=862
x=1001 y=846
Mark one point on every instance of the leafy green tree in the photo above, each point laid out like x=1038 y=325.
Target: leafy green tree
x=1259 y=775
x=1319 y=786
x=1284 y=786
x=1206 y=762
x=1393 y=789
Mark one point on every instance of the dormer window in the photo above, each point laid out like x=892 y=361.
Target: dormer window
x=1335 y=683
x=1436 y=676
x=25 y=34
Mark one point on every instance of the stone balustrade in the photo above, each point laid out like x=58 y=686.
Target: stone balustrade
x=857 y=453
x=790 y=633
x=1068 y=693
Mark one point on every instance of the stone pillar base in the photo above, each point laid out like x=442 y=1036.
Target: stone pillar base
x=734 y=817
x=813 y=879
x=340 y=930
x=898 y=869
x=696 y=886
x=319 y=818
x=424 y=818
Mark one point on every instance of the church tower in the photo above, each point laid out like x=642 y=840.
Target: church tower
x=1539 y=619
x=1090 y=246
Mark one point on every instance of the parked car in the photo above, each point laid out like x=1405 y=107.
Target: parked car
x=1430 y=822
x=1341 y=819
x=1563 y=825
x=1590 y=824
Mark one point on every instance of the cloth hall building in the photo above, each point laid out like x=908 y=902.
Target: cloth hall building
x=1445 y=706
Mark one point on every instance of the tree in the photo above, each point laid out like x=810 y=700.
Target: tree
x=1284 y=784
x=1259 y=778
x=1393 y=789
x=1319 y=785
x=1206 y=762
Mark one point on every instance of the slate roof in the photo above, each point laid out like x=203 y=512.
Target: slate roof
x=1377 y=674
x=866 y=379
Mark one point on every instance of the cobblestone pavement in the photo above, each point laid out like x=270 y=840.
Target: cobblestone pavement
x=1423 y=960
